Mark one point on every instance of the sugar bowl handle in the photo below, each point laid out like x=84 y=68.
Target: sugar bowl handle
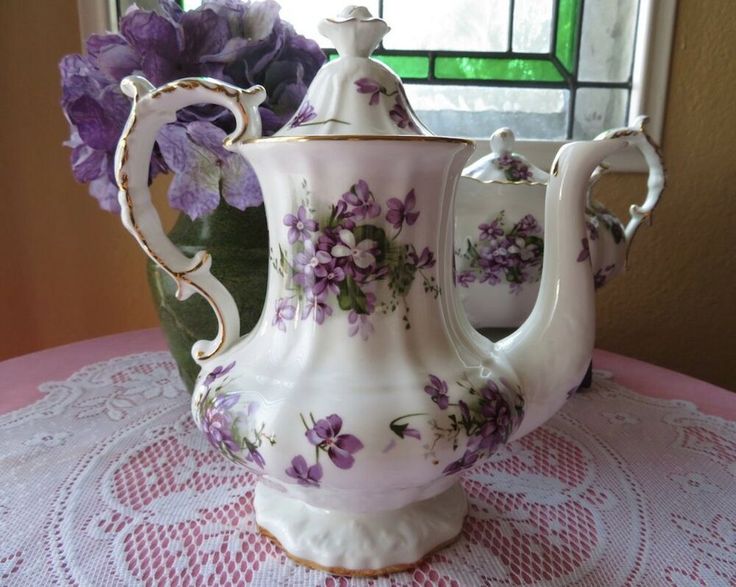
x=152 y=108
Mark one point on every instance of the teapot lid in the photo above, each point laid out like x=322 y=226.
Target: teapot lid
x=503 y=165
x=354 y=94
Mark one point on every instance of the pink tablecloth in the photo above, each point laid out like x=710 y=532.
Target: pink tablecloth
x=105 y=482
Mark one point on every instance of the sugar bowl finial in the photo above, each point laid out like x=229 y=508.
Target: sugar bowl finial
x=355 y=32
x=504 y=165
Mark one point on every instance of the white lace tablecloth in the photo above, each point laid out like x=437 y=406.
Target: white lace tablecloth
x=105 y=481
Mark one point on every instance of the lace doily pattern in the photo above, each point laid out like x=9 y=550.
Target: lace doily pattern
x=107 y=482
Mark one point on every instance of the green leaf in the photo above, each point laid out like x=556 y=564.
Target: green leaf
x=472 y=252
x=351 y=297
x=343 y=297
x=401 y=272
x=536 y=241
x=398 y=429
x=360 y=303
x=513 y=275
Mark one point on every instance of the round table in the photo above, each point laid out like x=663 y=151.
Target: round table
x=105 y=481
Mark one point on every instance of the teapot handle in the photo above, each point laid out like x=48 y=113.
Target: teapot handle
x=152 y=108
x=639 y=138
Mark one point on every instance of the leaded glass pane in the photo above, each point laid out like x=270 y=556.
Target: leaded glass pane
x=486 y=68
x=477 y=111
x=568 y=15
x=607 y=46
x=475 y=65
x=532 y=30
x=407 y=66
x=597 y=109
x=460 y=25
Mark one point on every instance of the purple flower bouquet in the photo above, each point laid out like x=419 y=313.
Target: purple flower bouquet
x=242 y=43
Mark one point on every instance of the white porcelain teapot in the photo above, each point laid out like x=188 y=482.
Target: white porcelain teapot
x=363 y=391
x=499 y=228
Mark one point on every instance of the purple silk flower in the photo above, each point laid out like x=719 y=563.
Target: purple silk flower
x=242 y=43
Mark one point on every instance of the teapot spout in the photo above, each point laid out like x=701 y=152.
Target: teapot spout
x=551 y=350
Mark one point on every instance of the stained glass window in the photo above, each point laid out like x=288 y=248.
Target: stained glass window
x=549 y=69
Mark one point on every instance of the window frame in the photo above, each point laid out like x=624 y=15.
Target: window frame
x=650 y=76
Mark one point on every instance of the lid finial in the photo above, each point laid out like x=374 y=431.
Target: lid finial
x=355 y=32
x=354 y=95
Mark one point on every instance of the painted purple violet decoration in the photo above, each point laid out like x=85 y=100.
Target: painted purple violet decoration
x=366 y=85
x=400 y=116
x=516 y=256
x=327 y=278
x=601 y=276
x=514 y=168
x=491 y=231
x=400 y=212
x=309 y=262
x=305 y=114
x=585 y=251
x=357 y=255
x=513 y=256
x=234 y=432
x=341 y=259
x=469 y=458
x=216 y=423
x=216 y=373
x=360 y=323
x=300 y=225
x=316 y=307
x=284 y=312
x=362 y=201
x=599 y=215
x=305 y=475
x=437 y=389
x=325 y=435
x=398 y=113
x=478 y=425
x=465 y=278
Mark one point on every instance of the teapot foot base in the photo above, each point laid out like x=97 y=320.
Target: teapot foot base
x=360 y=544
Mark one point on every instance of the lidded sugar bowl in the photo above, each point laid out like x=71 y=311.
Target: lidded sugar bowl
x=499 y=228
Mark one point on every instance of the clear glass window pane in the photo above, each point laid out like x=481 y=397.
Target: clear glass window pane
x=476 y=112
x=460 y=25
x=607 y=45
x=532 y=26
x=597 y=109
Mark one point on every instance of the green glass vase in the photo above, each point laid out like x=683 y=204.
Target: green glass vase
x=238 y=243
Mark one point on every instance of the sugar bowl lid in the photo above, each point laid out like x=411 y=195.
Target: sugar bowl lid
x=504 y=165
x=354 y=94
